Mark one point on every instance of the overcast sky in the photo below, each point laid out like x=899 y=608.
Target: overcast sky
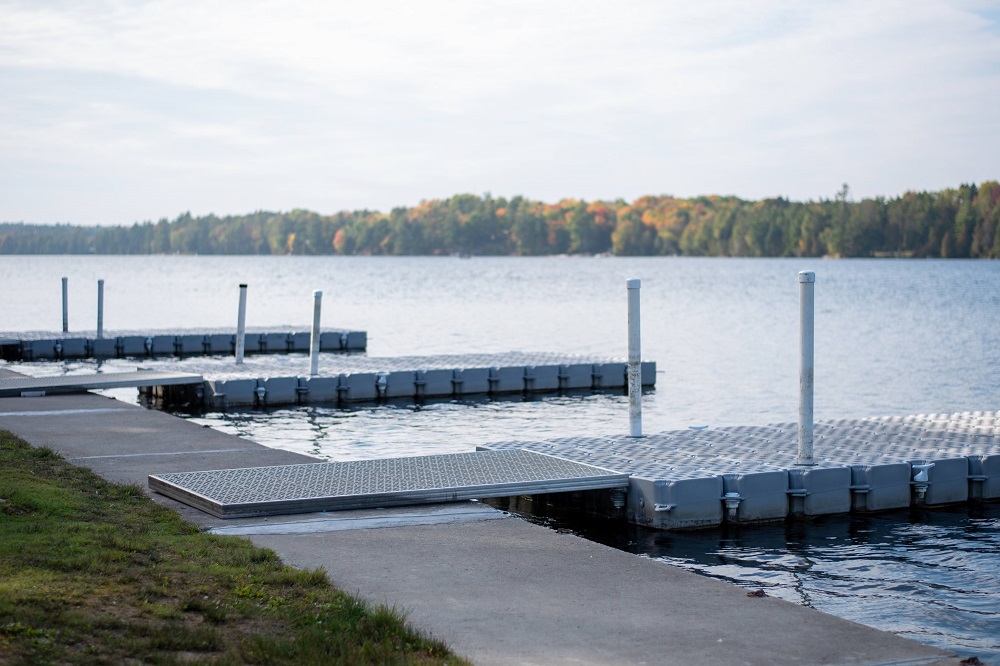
x=116 y=112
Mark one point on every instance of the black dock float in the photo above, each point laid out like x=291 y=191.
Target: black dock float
x=357 y=484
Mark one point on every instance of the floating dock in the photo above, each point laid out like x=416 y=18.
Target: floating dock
x=40 y=345
x=702 y=478
x=673 y=480
x=351 y=378
x=360 y=484
x=354 y=378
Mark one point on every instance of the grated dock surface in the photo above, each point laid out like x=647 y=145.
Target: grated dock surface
x=877 y=440
x=286 y=489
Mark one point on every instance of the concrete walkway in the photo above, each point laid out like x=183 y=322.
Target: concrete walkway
x=497 y=589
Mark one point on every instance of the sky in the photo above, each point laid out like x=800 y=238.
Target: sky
x=115 y=112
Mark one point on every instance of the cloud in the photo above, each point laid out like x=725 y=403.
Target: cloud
x=229 y=107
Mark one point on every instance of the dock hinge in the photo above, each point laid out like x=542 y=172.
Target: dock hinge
x=860 y=488
x=797 y=492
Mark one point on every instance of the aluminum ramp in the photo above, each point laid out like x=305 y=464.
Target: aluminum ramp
x=34 y=386
x=357 y=484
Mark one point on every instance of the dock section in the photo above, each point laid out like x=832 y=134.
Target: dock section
x=43 y=345
x=277 y=381
x=354 y=378
x=703 y=477
x=672 y=480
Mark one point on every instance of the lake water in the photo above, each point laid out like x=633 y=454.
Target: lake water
x=893 y=337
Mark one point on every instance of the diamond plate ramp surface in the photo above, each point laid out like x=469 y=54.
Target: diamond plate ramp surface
x=286 y=489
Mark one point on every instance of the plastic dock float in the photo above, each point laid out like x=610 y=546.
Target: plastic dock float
x=355 y=378
x=37 y=345
x=37 y=386
x=287 y=489
x=704 y=477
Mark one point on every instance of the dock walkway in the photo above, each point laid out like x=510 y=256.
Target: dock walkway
x=497 y=589
x=671 y=480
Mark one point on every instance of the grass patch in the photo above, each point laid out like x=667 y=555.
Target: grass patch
x=92 y=572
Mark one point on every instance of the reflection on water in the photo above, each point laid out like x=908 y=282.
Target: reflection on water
x=933 y=576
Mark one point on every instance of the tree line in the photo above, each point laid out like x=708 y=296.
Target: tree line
x=961 y=222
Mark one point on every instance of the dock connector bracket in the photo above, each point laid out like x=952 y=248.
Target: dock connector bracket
x=921 y=480
x=732 y=501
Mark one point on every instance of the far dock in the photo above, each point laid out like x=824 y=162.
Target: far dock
x=44 y=345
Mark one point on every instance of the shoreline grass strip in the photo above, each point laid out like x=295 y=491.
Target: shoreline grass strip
x=93 y=572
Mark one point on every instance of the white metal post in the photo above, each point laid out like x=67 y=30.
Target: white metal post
x=65 y=295
x=314 y=339
x=807 y=285
x=241 y=326
x=634 y=360
x=100 y=309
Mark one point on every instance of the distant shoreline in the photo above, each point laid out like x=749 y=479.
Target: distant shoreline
x=962 y=222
